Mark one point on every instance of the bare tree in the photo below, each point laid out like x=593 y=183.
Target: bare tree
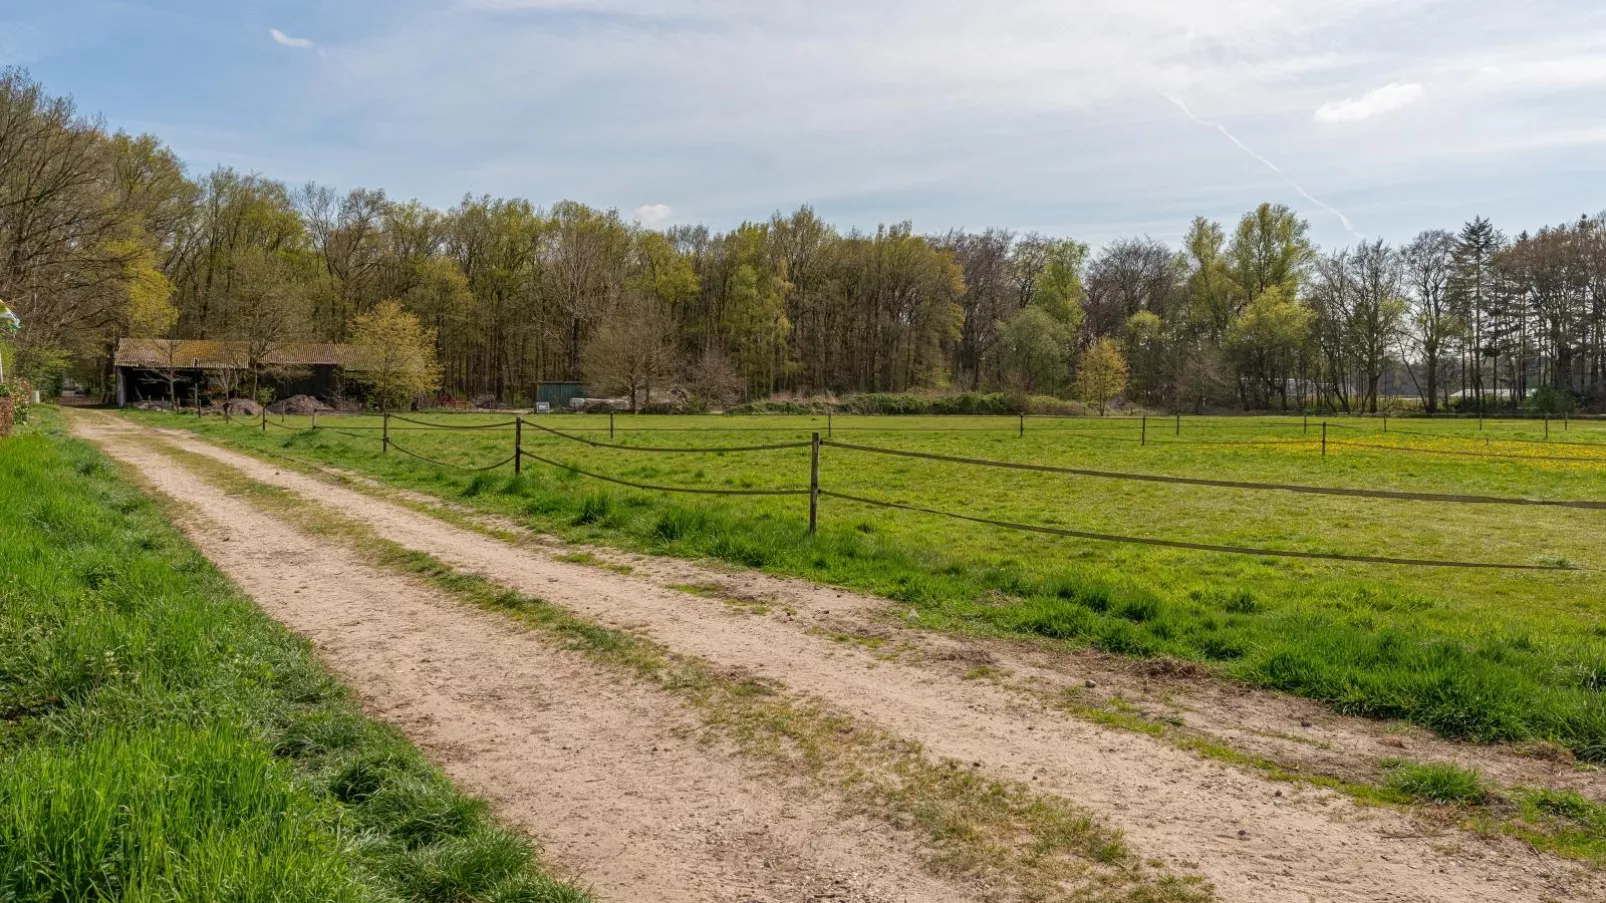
x=633 y=349
x=1429 y=262
x=265 y=312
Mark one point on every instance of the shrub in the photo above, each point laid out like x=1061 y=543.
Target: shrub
x=1439 y=782
x=679 y=522
x=596 y=509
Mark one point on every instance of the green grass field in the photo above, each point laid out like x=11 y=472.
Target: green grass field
x=163 y=740
x=1486 y=655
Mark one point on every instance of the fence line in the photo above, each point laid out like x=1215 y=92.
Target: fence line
x=1199 y=546
x=1450 y=498
x=502 y=463
x=672 y=449
x=446 y=426
x=1463 y=454
x=649 y=486
x=1487 y=438
x=815 y=491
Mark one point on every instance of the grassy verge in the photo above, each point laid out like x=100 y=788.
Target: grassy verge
x=162 y=739
x=997 y=832
x=1562 y=822
x=1484 y=656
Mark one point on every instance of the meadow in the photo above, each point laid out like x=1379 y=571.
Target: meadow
x=161 y=739
x=1473 y=653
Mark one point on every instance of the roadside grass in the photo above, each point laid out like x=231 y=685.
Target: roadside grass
x=998 y=832
x=1477 y=655
x=161 y=739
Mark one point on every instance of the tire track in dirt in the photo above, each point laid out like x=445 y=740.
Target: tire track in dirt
x=1301 y=735
x=607 y=773
x=1256 y=840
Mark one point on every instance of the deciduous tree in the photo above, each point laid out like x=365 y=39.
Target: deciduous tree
x=1101 y=378
x=396 y=355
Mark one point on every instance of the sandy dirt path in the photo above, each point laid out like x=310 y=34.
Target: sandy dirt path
x=1256 y=840
x=603 y=772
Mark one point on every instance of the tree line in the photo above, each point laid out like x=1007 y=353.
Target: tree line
x=106 y=235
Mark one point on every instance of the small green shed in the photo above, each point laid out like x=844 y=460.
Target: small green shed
x=558 y=394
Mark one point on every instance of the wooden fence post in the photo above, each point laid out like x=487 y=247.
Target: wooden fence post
x=814 y=483
x=1023 y=424
x=386 y=439
x=610 y=423
x=1324 y=438
x=1306 y=428
x=1179 y=422
x=1143 y=438
x=518 y=445
x=264 y=420
x=828 y=424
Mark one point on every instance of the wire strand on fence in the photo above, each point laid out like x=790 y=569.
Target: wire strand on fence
x=447 y=426
x=464 y=467
x=648 y=486
x=1464 y=454
x=1488 y=438
x=1268 y=425
x=1242 y=443
x=1450 y=498
x=658 y=448
x=1200 y=546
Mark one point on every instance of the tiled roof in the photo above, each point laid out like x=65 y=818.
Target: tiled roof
x=214 y=354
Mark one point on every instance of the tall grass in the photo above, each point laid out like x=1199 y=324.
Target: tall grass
x=162 y=739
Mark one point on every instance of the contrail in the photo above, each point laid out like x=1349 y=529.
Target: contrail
x=1269 y=165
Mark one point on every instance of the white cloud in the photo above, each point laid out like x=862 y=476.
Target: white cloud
x=1390 y=97
x=653 y=216
x=280 y=37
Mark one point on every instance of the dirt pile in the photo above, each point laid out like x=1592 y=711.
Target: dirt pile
x=243 y=407
x=298 y=404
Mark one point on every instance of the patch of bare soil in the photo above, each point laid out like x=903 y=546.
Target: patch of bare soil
x=605 y=772
x=1257 y=840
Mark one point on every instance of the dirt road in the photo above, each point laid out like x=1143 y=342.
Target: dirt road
x=600 y=769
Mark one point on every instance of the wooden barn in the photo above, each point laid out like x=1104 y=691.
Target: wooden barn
x=159 y=369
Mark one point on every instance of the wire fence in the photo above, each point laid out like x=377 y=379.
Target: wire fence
x=1198 y=546
x=648 y=486
x=1447 y=498
x=815 y=491
x=777 y=446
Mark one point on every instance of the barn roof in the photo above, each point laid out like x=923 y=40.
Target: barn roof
x=215 y=354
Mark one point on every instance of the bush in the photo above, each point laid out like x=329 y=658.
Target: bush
x=1550 y=400
x=597 y=508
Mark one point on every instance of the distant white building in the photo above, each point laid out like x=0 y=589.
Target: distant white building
x=1498 y=394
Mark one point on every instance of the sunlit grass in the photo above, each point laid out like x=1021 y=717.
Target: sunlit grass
x=1484 y=655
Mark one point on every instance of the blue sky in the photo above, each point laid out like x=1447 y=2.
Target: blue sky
x=1088 y=119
